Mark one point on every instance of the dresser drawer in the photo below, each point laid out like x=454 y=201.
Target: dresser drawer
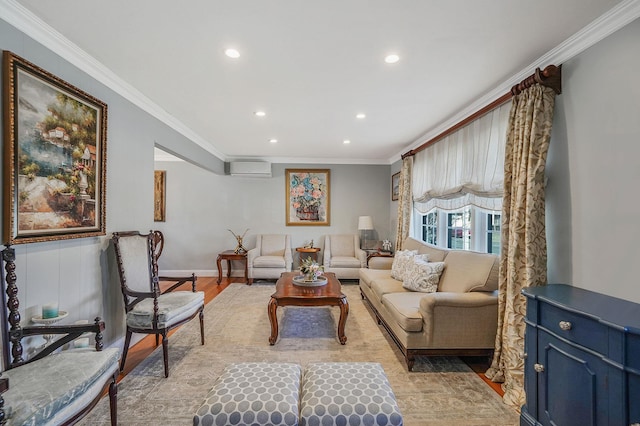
x=580 y=329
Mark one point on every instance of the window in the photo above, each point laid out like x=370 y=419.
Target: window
x=459 y=230
x=430 y=228
x=470 y=228
x=493 y=233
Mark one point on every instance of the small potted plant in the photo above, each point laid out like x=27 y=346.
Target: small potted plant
x=310 y=269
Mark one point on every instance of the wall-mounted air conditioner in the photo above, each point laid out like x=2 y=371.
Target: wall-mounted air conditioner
x=250 y=168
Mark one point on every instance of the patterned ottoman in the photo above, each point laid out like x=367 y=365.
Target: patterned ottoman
x=347 y=394
x=253 y=393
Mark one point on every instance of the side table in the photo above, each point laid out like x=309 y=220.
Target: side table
x=230 y=255
x=311 y=252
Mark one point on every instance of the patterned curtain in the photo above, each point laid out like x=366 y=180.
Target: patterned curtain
x=523 y=260
x=405 y=202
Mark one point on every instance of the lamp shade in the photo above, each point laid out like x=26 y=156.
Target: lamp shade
x=365 y=223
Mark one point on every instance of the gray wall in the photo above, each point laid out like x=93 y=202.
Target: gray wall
x=76 y=273
x=202 y=206
x=594 y=171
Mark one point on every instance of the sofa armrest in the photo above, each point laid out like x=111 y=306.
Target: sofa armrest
x=460 y=320
x=380 y=262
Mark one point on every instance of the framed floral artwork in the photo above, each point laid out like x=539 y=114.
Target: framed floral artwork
x=55 y=139
x=307 y=196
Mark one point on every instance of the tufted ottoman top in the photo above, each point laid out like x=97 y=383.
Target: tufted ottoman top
x=259 y=393
x=347 y=393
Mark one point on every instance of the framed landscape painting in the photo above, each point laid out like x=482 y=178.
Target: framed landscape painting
x=54 y=156
x=395 y=186
x=307 y=196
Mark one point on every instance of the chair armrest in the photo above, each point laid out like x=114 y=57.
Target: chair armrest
x=178 y=281
x=251 y=256
x=361 y=255
x=70 y=332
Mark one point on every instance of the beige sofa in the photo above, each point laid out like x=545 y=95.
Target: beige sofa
x=459 y=319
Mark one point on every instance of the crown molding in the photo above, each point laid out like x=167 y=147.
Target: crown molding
x=25 y=21
x=616 y=18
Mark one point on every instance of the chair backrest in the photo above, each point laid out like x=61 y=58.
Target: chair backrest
x=343 y=245
x=136 y=257
x=273 y=245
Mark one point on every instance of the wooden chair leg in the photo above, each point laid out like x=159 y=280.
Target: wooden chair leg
x=125 y=350
x=165 y=353
x=202 y=325
x=113 y=400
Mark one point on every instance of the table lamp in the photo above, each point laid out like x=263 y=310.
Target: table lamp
x=365 y=224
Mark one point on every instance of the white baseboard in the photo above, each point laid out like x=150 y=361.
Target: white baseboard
x=200 y=273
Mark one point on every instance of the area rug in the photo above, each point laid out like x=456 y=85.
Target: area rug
x=440 y=391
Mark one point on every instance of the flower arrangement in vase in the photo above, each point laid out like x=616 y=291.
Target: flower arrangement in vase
x=310 y=269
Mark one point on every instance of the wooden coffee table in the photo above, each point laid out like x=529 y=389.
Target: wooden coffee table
x=290 y=294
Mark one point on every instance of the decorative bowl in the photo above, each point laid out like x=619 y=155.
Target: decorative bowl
x=302 y=281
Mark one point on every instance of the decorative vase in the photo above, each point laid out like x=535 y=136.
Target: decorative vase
x=307 y=213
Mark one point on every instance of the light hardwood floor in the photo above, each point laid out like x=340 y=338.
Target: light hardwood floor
x=146 y=346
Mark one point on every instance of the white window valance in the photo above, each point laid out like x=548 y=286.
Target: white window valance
x=464 y=168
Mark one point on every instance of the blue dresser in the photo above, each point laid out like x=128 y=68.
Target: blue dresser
x=582 y=358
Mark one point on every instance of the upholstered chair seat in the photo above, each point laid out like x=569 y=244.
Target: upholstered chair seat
x=270 y=257
x=55 y=388
x=343 y=256
x=172 y=308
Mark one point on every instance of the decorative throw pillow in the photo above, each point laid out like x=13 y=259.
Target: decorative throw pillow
x=423 y=276
x=400 y=263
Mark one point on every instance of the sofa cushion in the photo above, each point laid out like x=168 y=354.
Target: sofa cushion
x=436 y=254
x=342 y=245
x=269 y=262
x=422 y=276
x=405 y=309
x=345 y=262
x=367 y=276
x=382 y=286
x=469 y=271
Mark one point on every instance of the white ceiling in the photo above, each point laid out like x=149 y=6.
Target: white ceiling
x=311 y=66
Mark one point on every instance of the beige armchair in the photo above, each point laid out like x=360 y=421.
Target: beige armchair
x=270 y=257
x=343 y=256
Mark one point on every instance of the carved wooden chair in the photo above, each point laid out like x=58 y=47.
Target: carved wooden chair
x=149 y=309
x=54 y=386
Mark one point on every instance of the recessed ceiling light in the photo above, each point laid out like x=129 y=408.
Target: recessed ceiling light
x=273 y=140
x=346 y=141
x=392 y=59
x=361 y=115
x=232 y=53
x=260 y=113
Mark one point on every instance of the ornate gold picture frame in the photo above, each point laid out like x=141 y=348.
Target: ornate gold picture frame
x=55 y=152
x=159 y=190
x=307 y=196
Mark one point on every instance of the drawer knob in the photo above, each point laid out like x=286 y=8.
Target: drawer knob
x=538 y=367
x=565 y=325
